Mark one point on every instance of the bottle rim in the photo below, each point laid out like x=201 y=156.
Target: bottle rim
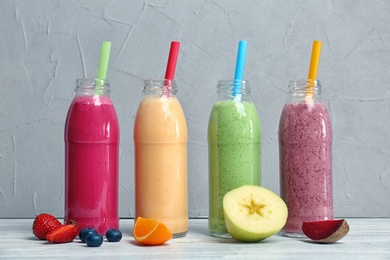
x=164 y=86
x=303 y=84
x=231 y=82
x=165 y=82
x=231 y=85
x=92 y=87
x=89 y=83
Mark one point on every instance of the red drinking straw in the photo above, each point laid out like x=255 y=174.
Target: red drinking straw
x=172 y=60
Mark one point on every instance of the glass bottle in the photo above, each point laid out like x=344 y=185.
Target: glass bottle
x=160 y=144
x=305 y=156
x=91 y=158
x=234 y=147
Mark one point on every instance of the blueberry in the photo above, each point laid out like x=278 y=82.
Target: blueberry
x=113 y=235
x=85 y=231
x=94 y=240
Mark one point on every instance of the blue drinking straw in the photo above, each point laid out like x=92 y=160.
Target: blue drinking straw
x=240 y=64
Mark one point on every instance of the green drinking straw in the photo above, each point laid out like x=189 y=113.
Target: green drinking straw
x=103 y=64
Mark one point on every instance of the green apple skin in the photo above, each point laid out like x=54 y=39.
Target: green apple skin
x=253 y=213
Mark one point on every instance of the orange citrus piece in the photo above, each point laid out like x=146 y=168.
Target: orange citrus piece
x=149 y=231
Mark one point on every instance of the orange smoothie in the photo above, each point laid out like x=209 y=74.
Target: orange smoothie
x=160 y=141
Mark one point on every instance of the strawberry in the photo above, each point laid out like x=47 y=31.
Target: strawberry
x=43 y=224
x=63 y=234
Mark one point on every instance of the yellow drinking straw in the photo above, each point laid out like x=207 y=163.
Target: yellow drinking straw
x=314 y=61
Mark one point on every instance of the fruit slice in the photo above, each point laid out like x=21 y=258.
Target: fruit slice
x=63 y=234
x=149 y=231
x=253 y=213
x=326 y=231
x=43 y=224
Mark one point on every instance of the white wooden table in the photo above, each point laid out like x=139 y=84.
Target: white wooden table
x=367 y=239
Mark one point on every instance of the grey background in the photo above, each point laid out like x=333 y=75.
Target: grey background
x=46 y=45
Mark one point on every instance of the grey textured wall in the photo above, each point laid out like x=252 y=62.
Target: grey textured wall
x=45 y=45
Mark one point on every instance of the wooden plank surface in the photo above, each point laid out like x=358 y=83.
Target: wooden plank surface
x=368 y=239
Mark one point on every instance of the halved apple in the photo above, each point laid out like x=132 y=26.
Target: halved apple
x=253 y=213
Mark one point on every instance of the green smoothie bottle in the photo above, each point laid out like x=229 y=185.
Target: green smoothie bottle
x=234 y=148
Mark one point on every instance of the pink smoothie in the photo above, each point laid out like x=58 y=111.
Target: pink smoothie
x=91 y=163
x=305 y=139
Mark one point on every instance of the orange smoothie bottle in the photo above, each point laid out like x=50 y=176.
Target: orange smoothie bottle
x=160 y=143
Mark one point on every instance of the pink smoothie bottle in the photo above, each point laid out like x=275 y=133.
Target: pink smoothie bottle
x=91 y=158
x=305 y=157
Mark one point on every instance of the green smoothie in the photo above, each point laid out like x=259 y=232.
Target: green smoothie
x=234 y=155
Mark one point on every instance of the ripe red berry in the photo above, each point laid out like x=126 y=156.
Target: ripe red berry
x=43 y=224
x=63 y=234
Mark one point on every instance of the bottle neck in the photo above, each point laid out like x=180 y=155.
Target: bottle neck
x=304 y=91
x=92 y=87
x=234 y=90
x=160 y=87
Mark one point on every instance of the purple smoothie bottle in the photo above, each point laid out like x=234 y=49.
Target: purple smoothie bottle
x=305 y=157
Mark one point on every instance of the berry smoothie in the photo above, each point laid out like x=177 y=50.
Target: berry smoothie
x=305 y=139
x=160 y=143
x=234 y=155
x=91 y=163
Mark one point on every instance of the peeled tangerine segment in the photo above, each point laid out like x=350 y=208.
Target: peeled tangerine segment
x=253 y=213
x=326 y=231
